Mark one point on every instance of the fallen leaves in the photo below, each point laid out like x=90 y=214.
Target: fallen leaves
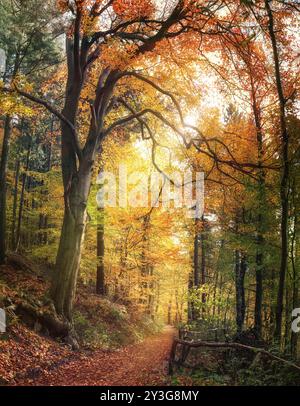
x=139 y=364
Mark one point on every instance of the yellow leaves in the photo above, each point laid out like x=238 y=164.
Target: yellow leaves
x=88 y=25
x=11 y=102
x=21 y=82
x=13 y=105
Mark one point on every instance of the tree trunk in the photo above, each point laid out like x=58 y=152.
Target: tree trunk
x=259 y=269
x=191 y=310
x=170 y=312
x=76 y=182
x=259 y=287
x=203 y=261
x=194 y=280
x=15 y=203
x=240 y=271
x=24 y=179
x=288 y=319
x=71 y=240
x=196 y=255
x=216 y=283
x=285 y=174
x=295 y=254
x=3 y=187
x=100 y=282
x=294 y=335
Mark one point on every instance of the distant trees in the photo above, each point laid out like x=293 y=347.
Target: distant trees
x=29 y=48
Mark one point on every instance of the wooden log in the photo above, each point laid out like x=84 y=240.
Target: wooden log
x=198 y=344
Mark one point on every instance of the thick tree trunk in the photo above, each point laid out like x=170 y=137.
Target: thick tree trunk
x=3 y=187
x=71 y=240
x=100 y=282
x=76 y=182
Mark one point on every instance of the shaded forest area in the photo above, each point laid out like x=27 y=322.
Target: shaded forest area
x=150 y=87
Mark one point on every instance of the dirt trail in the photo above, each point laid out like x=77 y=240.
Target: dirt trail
x=139 y=364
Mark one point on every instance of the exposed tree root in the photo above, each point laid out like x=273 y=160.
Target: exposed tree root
x=47 y=322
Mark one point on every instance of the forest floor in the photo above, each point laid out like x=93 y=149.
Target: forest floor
x=118 y=347
x=144 y=363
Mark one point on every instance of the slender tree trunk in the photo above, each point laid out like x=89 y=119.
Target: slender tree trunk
x=259 y=269
x=196 y=255
x=285 y=175
x=226 y=310
x=217 y=273
x=194 y=280
x=288 y=318
x=170 y=312
x=247 y=308
x=22 y=195
x=240 y=271
x=259 y=287
x=203 y=260
x=100 y=282
x=15 y=203
x=3 y=187
x=151 y=293
x=295 y=254
x=191 y=310
x=215 y=291
x=3 y=165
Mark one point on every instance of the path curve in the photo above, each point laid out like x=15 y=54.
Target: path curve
x=139 y=364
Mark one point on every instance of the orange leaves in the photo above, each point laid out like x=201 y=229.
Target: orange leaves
x=116 y=55
x=133 y=8
x=62 y=5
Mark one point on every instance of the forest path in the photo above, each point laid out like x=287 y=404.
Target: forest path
x=144 y=363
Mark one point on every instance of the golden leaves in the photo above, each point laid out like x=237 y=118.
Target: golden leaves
x=12 y=103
